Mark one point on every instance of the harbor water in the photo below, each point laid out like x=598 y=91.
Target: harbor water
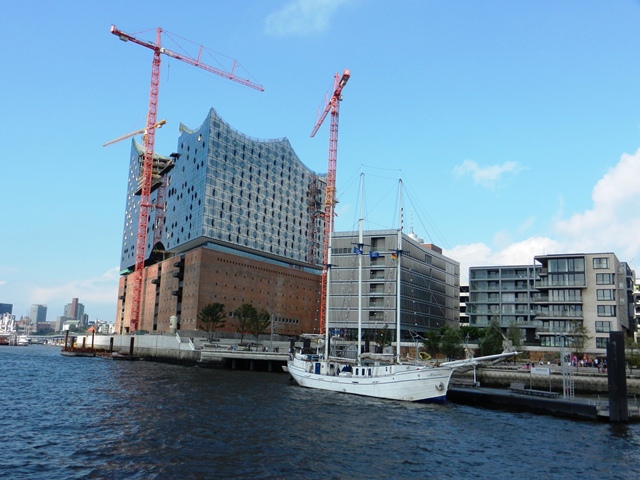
x=95 y=418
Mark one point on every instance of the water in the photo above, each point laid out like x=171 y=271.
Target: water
x=95 y=418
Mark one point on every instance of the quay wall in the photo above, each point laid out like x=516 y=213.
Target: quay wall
x=584 y=383
x=159 y=347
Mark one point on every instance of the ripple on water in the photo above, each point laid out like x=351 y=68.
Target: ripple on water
x=78 y=418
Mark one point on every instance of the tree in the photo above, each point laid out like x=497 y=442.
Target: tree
x=514 y=335
x=631 y=353
x=212 y=317
x=491 y=342
x=450 y=342
x=242 y=317
x=431 y=342
x=579 y=337
x=259 y=322
x=472 y=333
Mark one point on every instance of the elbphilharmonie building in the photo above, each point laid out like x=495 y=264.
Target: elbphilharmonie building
x=242 y=224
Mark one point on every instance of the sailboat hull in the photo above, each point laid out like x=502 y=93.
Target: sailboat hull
x=411 y=383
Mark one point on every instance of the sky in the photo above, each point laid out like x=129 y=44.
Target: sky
x=515 y=126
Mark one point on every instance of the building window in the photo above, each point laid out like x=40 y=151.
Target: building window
x=566 y=265
x=601 y=342
x=601 y=262
x=606 y=310
x=606 y=294
x=603 y=327
x=604 y=278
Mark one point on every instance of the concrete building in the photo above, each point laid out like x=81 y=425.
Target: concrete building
x=505 y=294
x=464 y=298
x=242 y=225
x=554 y=299
x=591 y=290
x=429 y=284
x=38 y=314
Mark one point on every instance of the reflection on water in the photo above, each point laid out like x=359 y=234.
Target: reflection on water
x=96 y=418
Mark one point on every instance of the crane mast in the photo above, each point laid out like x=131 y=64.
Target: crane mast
x=332 y=105
x=147 y=164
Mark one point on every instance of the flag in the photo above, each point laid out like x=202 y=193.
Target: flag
x=357 y=250
x=394 y=256
x=374 y=254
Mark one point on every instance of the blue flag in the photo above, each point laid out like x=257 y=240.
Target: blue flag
x=374 y=254
x=357 y=250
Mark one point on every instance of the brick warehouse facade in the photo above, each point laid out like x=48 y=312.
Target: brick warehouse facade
x=184 y=284
x=242 y=225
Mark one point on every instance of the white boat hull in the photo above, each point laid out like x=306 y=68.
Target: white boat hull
x=412 y=383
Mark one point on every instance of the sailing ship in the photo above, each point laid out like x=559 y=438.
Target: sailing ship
x=386 y=376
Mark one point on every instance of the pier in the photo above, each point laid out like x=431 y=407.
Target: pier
x=590 y=407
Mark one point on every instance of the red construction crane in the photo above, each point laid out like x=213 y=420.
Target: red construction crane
x=332 y=104
x=147 y=167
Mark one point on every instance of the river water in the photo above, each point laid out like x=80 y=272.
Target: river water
x=95 y=418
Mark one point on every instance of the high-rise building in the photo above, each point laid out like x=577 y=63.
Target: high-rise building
x=6 y=308
x=429 y=284
x=242 y=224
x=38 y=314
x=572 y=300
x=74 y=310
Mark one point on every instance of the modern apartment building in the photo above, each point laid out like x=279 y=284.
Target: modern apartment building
x=552 y=301
x=429 y=284
x=592 y=290
x=243 y=224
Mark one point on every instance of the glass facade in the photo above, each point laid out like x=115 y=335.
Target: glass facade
x=233 y=190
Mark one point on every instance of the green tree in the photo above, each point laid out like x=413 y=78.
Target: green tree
x=472 y=333
x=514 y=335
x=431 y=342
x=451 y=343
x=491 y=342
x=212 y=317
x=259 y=322
x=242 y=317
x=579 y=337
x=632 y=353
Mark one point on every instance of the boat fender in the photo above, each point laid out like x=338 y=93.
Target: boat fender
x=440 y=386
x=424 y=356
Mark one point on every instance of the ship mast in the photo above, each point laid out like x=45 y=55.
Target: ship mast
x=398 y=261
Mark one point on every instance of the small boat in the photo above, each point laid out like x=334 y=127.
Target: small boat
x=380 y=376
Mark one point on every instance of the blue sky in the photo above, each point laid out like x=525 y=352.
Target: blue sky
x=514 y=125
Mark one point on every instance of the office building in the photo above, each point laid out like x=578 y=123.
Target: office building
x=38 y=314
x=429 y=284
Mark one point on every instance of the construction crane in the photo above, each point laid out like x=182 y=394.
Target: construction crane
x=132 y=134
x=331 y=104
x=147 y=166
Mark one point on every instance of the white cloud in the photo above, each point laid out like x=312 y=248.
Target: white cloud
x=611 y=225
x=518 y=253
x=302 y=17
x=486 y=176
